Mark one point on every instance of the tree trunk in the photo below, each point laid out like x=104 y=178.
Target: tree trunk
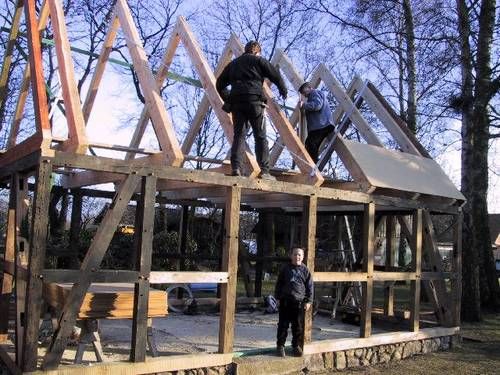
x=490 y=291
x=411 y=118
x=480 y=288
x=471 y=301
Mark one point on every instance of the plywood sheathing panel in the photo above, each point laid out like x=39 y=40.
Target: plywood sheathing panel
x=401 y=171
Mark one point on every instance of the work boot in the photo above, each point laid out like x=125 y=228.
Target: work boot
x=267 y=176
x=280 y=350
x=297 y=351
x=236 y=172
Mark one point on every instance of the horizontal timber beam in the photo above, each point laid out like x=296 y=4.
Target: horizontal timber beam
x=151 y=366
x=64 y=159
x=157 y=277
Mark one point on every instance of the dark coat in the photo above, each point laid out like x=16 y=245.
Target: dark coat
x=246 y=75
x=294 y=283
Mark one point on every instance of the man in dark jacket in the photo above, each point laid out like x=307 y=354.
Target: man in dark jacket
x=319 y=118
x=246 y=75
x=294 y=291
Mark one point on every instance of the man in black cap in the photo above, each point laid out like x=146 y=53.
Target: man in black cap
x=246 y=101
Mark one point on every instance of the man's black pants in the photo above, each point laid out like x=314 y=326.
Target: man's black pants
x=314 y=139
x=290 y=312
x=245 y=115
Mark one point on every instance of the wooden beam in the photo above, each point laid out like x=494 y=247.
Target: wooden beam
x=20 y=275
x=283 y=62
x=341 y=126
x=9 y=255
x=416 y=265
x=204 y=105
x=335 y=345
x=97 y=276
x=456 y=282
x=399 y=121
x=393 y=276
x=25 y=84
x=162 y=364
x=429 y=287
x=309 y=221
x=38 y=240
x=107 y=47
x=9 y=48
x=161 y=76
x=89 y=178
x=435 y=263
x=294 y=77
x=36 y=73
x=9 y=362
x=229 y=265
x=92 y=260
x=207 y=79
x=144 y=251
x=386 y=119
x=161 y=120
x=368 y=261
x=77 y=137
x=328 y=277
x=184 y=277
x=216 y=179
x=349 y=107
x=390 y=252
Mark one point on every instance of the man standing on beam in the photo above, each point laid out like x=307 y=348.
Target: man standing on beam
x=247 y=102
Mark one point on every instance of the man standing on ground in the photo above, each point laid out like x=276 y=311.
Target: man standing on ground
x=246 y=76
x=294 y=291
x=319 y=118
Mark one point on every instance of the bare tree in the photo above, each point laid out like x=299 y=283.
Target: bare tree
x=480 y=84
x=404 y=47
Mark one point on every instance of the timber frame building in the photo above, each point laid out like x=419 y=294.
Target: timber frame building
x=392 y=183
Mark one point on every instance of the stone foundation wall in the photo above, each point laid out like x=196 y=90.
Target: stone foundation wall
x=376 y=354
x=330 y=361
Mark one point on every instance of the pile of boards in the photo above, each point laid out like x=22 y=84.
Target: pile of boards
x=104 y=300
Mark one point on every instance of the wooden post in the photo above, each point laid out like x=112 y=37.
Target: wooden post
x=183 y=237
x=390 y=249
x=144 y=248
x=75 y=226
x=309 y=221
x=9 y=256
x=183 y=230
x=22 y=252
x=261 y=239
x=435 y=263
x=38 y=240
x=368 y=255
x=266 y=243
x=229 y=265
x=416 y=265
x=90 y=265
x=456 y=282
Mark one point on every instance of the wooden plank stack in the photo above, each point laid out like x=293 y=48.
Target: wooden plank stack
x=111 y=301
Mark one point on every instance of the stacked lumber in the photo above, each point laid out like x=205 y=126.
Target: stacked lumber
x=111 y=301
